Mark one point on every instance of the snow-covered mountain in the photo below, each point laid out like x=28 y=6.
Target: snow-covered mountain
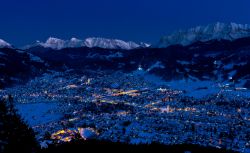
x=217 y=31
x=58 y=44
x=4 y=44
x=110 y=43
x=54 y=43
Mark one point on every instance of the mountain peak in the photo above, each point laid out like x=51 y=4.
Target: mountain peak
x=217 y=31
x=54 y=43
x=4 y=44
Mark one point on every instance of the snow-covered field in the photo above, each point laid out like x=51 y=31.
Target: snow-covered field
x=39 y=113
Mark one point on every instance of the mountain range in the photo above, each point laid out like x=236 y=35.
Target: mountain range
x=58 y=44
x=216 y=31
x=218 y=52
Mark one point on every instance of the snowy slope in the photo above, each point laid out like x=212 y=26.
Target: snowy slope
x=4 y=44
x=215 y=31
x=58 y=44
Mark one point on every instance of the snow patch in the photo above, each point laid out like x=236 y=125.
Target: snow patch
x=194 y=88
x=183 y=62
x=35 y=58
x=158 y=64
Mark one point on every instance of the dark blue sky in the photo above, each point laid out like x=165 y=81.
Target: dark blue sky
x=24 y=21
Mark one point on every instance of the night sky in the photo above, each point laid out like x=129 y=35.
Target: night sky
x=25 y=21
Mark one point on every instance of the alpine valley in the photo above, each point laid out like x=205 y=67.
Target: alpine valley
x=190 y=87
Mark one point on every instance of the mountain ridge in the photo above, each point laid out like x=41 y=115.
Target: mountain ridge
x=216 y=31
x=91 y=42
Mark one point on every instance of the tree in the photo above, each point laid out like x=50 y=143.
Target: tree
x=15 y=135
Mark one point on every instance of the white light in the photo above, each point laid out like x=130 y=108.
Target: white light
x=140 y=68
